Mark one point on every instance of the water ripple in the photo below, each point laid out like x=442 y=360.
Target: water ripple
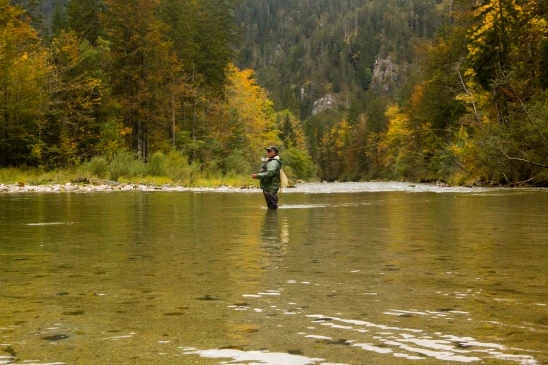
x=401 y=342
x=265 y=357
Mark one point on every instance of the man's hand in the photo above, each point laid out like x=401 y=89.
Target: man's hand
x=254 y=176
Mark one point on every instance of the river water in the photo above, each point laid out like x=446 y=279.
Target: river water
x=357 y=273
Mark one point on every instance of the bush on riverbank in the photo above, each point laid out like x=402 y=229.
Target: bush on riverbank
x=37 y=176
x=123 y=167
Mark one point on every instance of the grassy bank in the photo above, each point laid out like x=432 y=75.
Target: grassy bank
x=36 y=176
x=124 y=168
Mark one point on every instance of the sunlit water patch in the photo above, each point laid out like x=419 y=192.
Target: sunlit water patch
x=311 y=206
x=378 y=278
x=12 y=360
x=301 y=206
x=263 y=357
x=48 y=223
x=361 y=187
x=383 y=339
x=343 y=187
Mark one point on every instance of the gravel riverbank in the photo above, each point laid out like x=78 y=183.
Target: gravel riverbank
x=96 y=185
x=105 y=187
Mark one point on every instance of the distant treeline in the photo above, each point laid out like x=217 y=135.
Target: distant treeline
x=450 y=90
x=422 y=90
x=138 y=77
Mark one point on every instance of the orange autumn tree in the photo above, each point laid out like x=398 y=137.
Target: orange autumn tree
x=249 y=125
x=23 y=92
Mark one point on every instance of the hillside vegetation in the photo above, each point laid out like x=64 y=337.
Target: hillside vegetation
x=110 y=84
x=409 y=89
x=422 y=90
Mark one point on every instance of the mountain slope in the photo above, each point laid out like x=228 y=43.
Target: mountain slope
x=304 y=50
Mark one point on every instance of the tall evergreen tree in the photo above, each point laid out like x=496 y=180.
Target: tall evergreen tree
x=79 y=90
x=58 y=18
x=179 y=16
x=214 y=35
x=34 y=13
x=141 y=69
x=83 y=18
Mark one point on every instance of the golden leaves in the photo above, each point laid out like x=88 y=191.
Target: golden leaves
x=251 y=109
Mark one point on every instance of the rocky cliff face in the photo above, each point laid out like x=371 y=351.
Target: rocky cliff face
x=325 y=102
x=387 y=75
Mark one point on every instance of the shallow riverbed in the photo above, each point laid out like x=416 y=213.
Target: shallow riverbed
x=350 y=273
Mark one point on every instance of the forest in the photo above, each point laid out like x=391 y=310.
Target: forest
x=453 y=91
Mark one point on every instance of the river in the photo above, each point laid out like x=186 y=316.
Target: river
x=349 y=273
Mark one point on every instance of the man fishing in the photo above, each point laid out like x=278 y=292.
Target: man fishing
x=269 y=174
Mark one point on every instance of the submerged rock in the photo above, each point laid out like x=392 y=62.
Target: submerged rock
x=55 y=337
x=207 y=298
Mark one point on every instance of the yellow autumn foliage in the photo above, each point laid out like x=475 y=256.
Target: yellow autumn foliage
x=251 y=110
x=397 y=145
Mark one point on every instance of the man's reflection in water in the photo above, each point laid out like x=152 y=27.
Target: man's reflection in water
x=275 y=236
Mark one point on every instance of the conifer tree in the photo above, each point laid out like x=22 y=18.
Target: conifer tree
x=59 y=18
x=142 y=65
x=203 y=35
x=214 y=34
x=179 y=16
x=79 y=90
x=83 y=18
x=33 y=13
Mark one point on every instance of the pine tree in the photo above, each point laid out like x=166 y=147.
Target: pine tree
x=83 y=18
x=143 y=67
x=33 y=13
x=214 y=34
x=79 y=90
x=59 y=18
x=180 y=17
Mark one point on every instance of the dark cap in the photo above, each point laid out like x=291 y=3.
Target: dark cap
x=272 y=148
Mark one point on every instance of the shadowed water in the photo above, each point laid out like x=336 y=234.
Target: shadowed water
x=341 y=274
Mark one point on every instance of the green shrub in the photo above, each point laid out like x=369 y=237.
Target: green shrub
x=194 y=174
x=176 y=166
x=301 y=164
x=10 y=175
x=236 y=163
x=121 y=165
x=156 y=165
x=97 y=166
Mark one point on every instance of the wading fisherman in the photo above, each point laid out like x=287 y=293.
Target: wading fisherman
x=269 y=174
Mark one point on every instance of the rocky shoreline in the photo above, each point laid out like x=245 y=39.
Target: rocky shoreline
x=96 y=185
x=106 y=186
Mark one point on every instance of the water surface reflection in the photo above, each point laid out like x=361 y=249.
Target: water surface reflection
x=379 y=277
